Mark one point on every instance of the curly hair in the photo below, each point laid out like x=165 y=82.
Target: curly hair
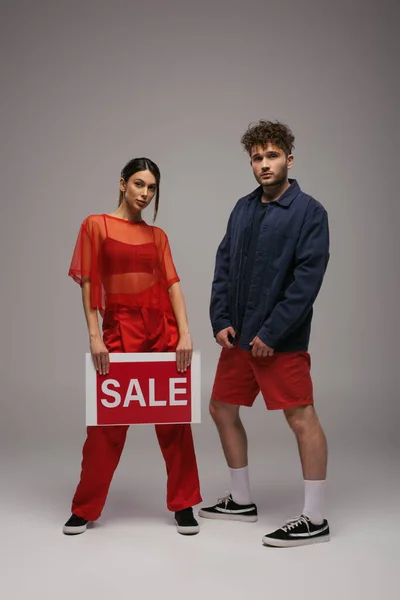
x=264 y=132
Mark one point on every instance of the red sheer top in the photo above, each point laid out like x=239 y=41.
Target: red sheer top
x=128 y=264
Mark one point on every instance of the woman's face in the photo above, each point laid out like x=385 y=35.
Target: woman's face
x=139 y=190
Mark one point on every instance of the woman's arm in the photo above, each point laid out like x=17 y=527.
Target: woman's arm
x=97 y=347
x=184 y=348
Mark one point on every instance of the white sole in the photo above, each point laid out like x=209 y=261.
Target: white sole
x=227 y=516
x=74 y=530
x=294 y=543
x=188 y=530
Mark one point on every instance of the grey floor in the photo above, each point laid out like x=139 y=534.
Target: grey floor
x=134 y=551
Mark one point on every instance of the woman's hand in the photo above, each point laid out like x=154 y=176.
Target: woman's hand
x=184 y=352
x=100 y=355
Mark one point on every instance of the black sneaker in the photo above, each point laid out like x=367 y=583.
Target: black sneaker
x=226 y=508
x=75 y=525
x=298 y=532
x=186 y=523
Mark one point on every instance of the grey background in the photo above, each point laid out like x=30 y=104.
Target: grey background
x=87 y=86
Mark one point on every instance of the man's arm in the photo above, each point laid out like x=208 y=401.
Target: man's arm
x=312 y=256
x=219 y=305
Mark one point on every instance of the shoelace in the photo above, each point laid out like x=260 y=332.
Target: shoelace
x=292 y=523
x=225 y=499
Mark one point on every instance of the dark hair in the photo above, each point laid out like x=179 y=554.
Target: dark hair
x=265 y=132
x=142 y=164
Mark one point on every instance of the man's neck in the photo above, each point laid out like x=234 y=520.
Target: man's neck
x=273 y=192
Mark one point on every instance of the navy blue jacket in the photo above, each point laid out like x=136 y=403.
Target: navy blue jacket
x=291 y=259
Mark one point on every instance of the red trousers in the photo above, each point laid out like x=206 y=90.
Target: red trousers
x=136 y=330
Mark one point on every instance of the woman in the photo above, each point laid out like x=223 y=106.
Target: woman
x=126 y=272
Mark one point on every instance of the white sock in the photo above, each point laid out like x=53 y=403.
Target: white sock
x=240 y=485
x=314 y=501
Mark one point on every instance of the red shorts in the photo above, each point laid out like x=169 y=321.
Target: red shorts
x=284 y=379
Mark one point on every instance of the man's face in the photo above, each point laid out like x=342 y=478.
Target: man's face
x=270 y=164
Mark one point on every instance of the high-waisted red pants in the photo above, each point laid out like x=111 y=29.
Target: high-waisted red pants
x=136 y=330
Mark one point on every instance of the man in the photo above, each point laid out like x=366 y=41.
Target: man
x=269 y=269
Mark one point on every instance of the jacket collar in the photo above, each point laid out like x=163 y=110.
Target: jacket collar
x=285 y=200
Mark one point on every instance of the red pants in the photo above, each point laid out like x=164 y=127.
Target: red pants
x=136 y=330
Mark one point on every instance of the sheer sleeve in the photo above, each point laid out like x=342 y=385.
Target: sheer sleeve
x=84 y=261
x=165 y=258
x=81 y=263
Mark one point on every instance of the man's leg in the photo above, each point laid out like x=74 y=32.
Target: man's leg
x=286 y=384
x=231 y=432
x=236 y=383
x=311 y=527
x=234 y=444
x=311 y=440
x=313 y=452
x=237 y=505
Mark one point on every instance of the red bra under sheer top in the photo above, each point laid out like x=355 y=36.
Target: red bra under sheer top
x=127 y=263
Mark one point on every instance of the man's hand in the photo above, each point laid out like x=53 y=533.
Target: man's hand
x=260 y=349
x=222 y=337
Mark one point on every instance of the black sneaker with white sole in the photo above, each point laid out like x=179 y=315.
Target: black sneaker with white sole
x=186 y=524
x=300 y=531
x=75 y=525
x=226 y=508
